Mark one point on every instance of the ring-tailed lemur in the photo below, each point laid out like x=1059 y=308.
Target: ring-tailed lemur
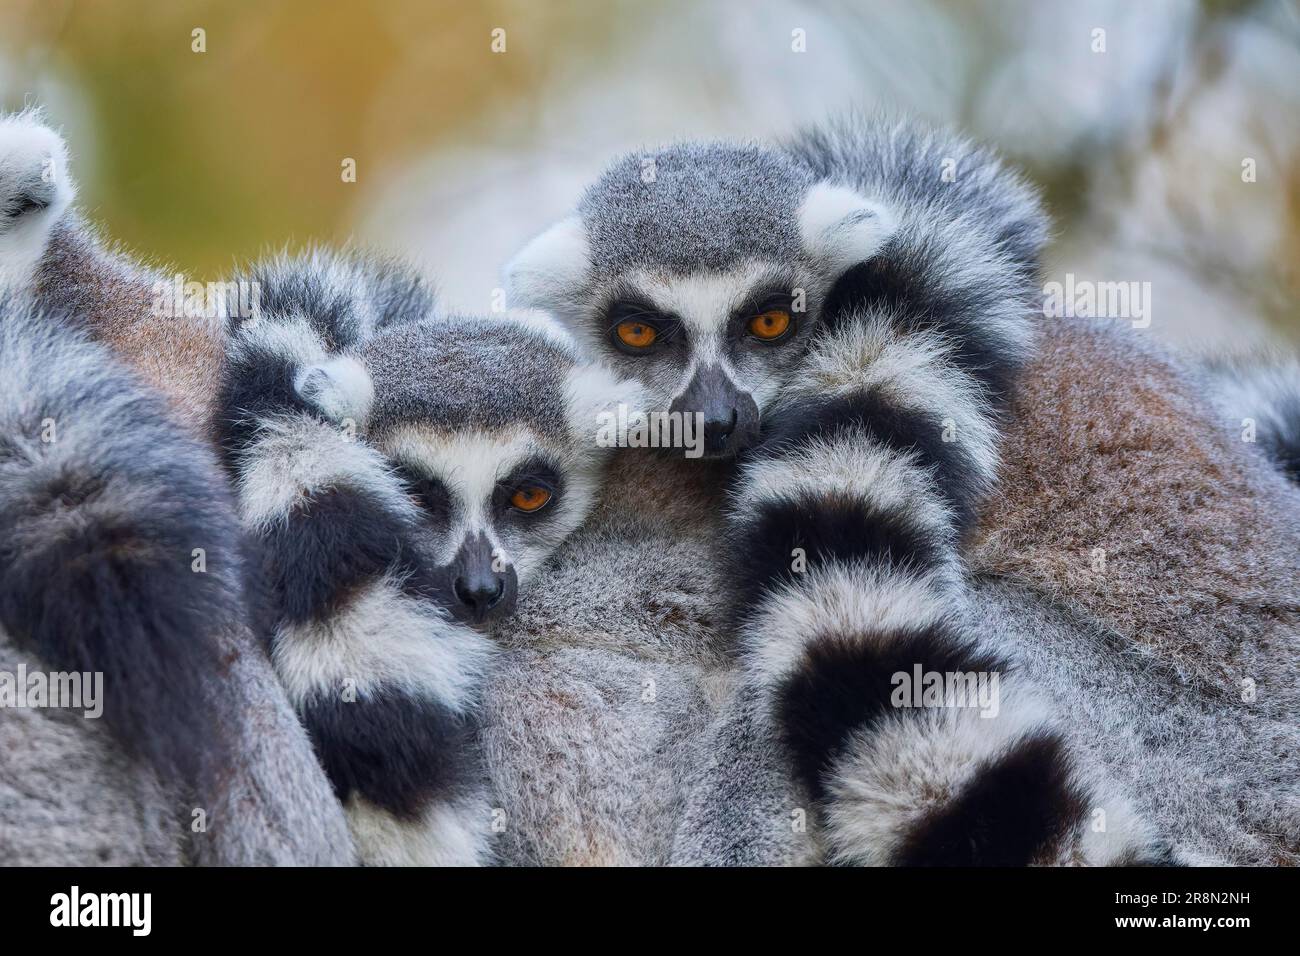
x=597 y=692
x=398 y=518
x=730 y=282
x=121 y=555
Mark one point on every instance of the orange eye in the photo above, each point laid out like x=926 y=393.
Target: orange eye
x=770 y=325
x=530 y=498
x=638 y=335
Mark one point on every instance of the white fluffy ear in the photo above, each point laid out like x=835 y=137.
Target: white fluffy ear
x=340 y=388
x=842 y=227
x=544 y=324
x=548 y=272
x=594 y=391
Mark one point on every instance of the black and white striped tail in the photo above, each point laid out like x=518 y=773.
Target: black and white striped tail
x=848 y=522
x=385 y=683
x=104 y=505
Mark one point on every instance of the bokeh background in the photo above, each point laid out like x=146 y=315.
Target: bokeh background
x=206 y=159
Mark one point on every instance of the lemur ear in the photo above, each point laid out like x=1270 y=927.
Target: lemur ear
x=594 y=391
x=842 y=227
x=339 y=388
x=547 y=272
x=544 y=324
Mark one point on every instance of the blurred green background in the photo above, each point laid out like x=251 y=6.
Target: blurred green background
x=203 y=159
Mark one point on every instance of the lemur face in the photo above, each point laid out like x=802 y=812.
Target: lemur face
x=699 y=270
x=489 y=427
x=494 y=503
x=715 y=344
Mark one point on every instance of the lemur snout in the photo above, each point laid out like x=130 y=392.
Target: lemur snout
x=481 y=591
x=718 y=430
x=729 y=417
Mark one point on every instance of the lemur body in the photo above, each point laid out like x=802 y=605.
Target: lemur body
x=1153 y=554
x=121 y=554
x=732 y=282
x=877 y=451
x=594 y=765
x=397 y=519
x=590 y=767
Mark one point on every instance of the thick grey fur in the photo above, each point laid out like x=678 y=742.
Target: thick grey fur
x=466 y=362
x=708 y=206
x=207 y=725
x=730 y=801
x=78 y=792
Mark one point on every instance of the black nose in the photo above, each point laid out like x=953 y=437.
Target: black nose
x=483 y=588
x=728 y=416
x=480 y=594
x=718 y=429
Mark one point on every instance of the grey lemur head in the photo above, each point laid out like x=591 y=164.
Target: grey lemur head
x=700 y=270
x=488 y=429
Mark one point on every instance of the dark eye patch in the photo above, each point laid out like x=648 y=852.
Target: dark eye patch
x=633 y=308
x=769 y=298
x=537 y=471
x=429 y=493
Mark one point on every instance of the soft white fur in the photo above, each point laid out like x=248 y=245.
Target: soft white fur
x=915 y=370
x=383 y=639
x=841 y=599
x=851 y=464
x=299 y=455
x=548 y=272
x=33 y=161
x=340 y=387
x=594 y=389
x=447 y=834
x=841 y=227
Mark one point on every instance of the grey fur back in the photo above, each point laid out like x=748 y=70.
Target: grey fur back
x=1216 y=776
x=1169 y=547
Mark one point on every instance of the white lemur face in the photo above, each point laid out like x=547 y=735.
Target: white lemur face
x=700 y=272
x=494 y=505
x=487 y=428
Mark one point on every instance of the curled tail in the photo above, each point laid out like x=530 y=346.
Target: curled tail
x=120 y=555
x=118 y=547
x=916 y=737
